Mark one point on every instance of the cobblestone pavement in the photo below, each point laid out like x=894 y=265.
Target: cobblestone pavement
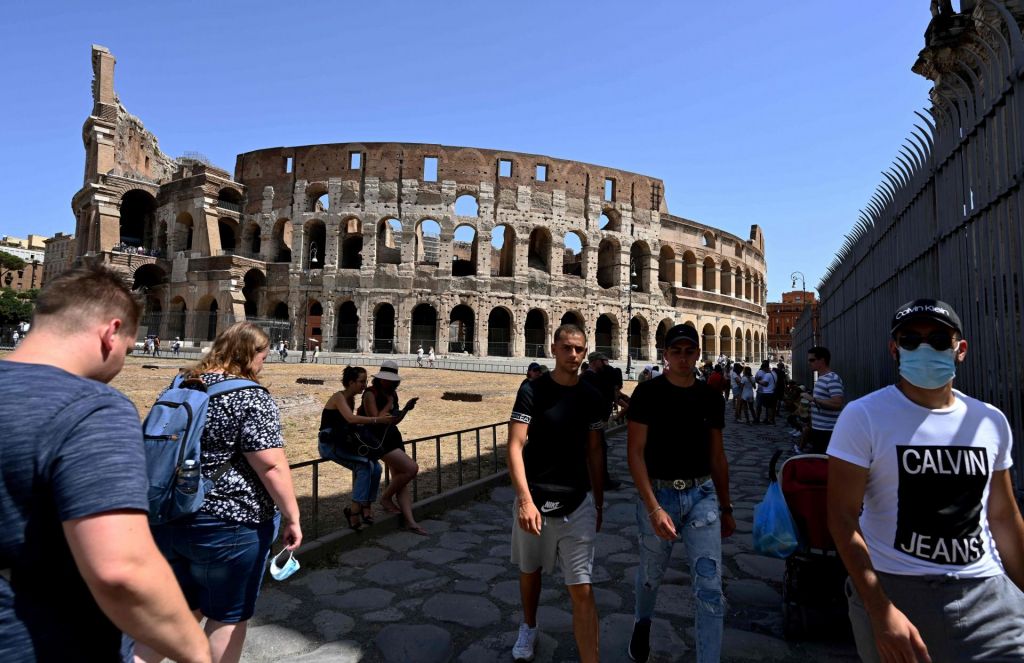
x=453 y=596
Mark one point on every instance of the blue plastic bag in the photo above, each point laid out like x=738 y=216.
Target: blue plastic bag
x=775 y=532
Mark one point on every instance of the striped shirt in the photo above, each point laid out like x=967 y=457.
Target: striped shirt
x=826 y=387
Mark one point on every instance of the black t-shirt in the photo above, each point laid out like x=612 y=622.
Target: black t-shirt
x=560 y=419
x=679 y=422
x=604 y=381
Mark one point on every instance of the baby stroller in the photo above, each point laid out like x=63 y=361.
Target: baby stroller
x=813 y=597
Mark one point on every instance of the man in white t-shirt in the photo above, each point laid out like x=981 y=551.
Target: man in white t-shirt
x=936 y=557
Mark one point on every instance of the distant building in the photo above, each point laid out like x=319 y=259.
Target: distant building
x=782 y=317
x=33 y=252
x=60 y=253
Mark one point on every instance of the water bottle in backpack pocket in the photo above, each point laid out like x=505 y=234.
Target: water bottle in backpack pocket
x=172 y=432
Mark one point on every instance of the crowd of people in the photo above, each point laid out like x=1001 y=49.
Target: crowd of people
x=920 y=502
x=137 y=250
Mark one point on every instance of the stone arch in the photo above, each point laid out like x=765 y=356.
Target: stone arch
x=610 y=220
x=707 y=240
x=254 y=287
x=573 y=262
x=389 y=241
x=709 y=342
x=637 y=337
x=461 y=329
x=251 y=239
x=351 y=230
x=148 y=276
x=539 y=254
x=313 y=319
x=423 y=327
x=725 y=340
x=229 y=198
x=725 y=278
x=278 y=310
x=709 y=274
x=608 y=266
x=659 y=337
x=207 y=312
x=639 y=266
x=227 y=229
x=186 y=231
x=138 y=216
x=383 y=328
x=281 y=241
x=464 y=250
x=690 y=268
x=535 y=331
x=428 y=242
x=503 y=250
x=572 y=317
x=176 y=318
x=467 y=205
x=499 y=332
x=346 y=334
x=748 y=349
x=606 y=335
x=317 y=198
x=314 y=239
x=667 y=264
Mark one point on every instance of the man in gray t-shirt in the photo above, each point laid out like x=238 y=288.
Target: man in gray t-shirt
x=77 y=562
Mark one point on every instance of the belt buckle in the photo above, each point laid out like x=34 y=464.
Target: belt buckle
x=680 y=484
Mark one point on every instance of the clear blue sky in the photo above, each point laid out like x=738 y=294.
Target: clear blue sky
x=776 y=113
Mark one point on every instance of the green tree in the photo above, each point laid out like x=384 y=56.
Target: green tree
x=9 y=263
x=13 y=309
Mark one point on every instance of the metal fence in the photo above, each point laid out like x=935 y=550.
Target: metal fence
x=446 y=461
x=945 y=222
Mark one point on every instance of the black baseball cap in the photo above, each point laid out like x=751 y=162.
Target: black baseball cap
x=926 y=309
x=595 y=356
x=682 y=333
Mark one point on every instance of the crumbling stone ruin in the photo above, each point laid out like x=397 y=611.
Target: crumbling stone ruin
x=385 y=247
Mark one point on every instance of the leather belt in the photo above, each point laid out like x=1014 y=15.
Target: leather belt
x=679 y=484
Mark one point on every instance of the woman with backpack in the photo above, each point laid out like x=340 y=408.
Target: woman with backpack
x=219 y=553
x=340 y=441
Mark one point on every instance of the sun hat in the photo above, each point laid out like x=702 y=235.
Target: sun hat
x=388 y=371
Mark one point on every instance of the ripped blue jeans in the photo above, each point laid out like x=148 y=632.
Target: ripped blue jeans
x=694 y=512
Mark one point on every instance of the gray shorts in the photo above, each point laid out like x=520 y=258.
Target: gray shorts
x=567 y=540
x=965 y=619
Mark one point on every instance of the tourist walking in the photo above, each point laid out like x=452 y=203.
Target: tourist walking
x=73 y=490
x=431 y=357
x=827 y=399
x=746 y=395
x=555 y=460
x=678 y=464
x=156 y=346
x=922 y=508
x=342 y=440
x=176 y=346
x=736 y=384
x=252 y=496
x=766 y=386
x=316 y=353
x=419 y=356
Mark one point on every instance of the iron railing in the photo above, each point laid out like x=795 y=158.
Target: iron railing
x=446 y=464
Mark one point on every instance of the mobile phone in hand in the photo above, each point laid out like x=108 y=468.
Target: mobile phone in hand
x=410 y=404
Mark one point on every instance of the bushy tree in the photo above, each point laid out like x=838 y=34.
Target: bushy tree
x=14 y=309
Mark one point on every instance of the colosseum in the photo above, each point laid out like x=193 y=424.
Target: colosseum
x=382 y=247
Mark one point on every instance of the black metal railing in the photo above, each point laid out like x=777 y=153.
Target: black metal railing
x=446 y=465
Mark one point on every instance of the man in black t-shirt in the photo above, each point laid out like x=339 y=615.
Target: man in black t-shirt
x=602 y=377
x=554 y=459
x=679 y=467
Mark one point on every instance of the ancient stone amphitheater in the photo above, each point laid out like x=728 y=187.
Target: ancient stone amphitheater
x=384 y=247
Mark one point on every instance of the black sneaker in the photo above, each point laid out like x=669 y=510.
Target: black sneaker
x=639 y=643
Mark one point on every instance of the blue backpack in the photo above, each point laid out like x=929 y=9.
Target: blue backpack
x=172 y=432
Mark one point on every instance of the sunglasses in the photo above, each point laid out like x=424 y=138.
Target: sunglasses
x=939 y=340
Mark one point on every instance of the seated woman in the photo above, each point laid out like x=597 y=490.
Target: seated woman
x=381 y=398
x=339 y=441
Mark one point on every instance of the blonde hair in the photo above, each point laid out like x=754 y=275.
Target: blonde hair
x=233 y=351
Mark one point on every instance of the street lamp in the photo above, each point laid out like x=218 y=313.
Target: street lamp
x=305 y=310
x=803 y=283
x=629 y=316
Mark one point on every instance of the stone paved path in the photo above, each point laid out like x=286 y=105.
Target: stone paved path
x=453 y=596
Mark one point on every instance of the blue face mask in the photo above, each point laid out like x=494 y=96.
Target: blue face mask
x=927 y=367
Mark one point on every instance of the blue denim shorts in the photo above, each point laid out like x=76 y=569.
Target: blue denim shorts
x=219 y=564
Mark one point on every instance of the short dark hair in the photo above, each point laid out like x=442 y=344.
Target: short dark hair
x=86 y=295
x=568 y=328
x=822 y=353
x=351 y=374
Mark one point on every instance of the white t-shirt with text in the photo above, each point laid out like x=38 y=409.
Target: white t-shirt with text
x=929 y=474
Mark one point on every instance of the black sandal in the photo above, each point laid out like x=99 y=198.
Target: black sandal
x=353 y=519
x=367 y=519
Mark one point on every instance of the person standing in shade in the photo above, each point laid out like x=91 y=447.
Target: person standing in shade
x=603 y=377
x=555 y=460
x=678 y=463
x=922 y=508
x=826 y=400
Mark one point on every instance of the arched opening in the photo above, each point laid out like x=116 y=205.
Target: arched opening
x=748 y=347
x=384 y=328
x=725 y=339
x=667 y=264
x=251 y=239
x=346 y=335
x=708 y=240
x=152 y=313
x=186 y=229
x=314 y=235
x=536 y=332
x=725 y=279
x=466 y=205
x=147 y=277
x=317 y=199
x=281 y=238
x=640 y=262
x=461 y=330
x=389 y=242
x=253 y=288
x=428 y=242
x=709 y=343
x=464 y=250
x=503 y=251
x=572 y=318
x=572 y=255
x=609 y=220
x=539 y=255
x=499 y=333
x=206 y=319
x=608 y=266
x=138 y=209
x=690 y=268
x=227 y=229
x=424 y=327
x=351 y=244
x=605 y=334
x=229 y=199
x=659 y=337
x=176 y=321
x=314 y=332
x=709 y=274
x=638 y=337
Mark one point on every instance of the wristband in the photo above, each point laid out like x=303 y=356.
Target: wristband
x=726 y=510
x=655 y=511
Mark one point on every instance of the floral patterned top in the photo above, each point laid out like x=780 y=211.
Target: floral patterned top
x=238 y=422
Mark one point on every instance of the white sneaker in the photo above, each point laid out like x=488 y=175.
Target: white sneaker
x=525 y=643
